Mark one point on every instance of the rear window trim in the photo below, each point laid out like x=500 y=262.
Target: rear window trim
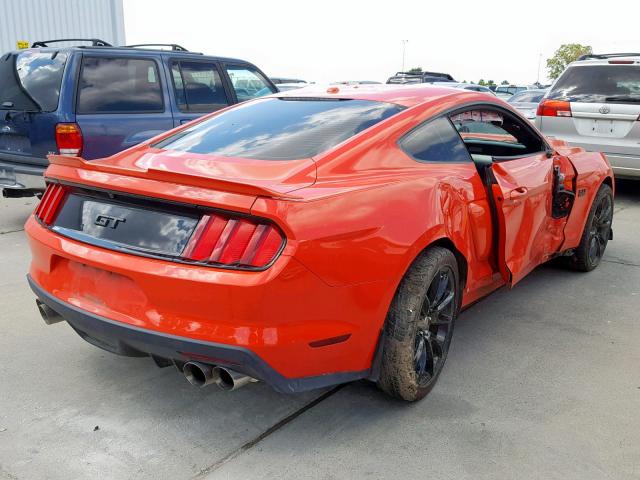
x=159 y=75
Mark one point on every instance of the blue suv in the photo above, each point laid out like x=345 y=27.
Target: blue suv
x=94 y=101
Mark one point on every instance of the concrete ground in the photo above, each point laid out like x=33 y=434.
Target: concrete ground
x=542 y=381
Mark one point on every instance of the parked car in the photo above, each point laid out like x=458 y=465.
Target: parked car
x=356 y=82
x=281 y=80
x=424 y=77
x=283 y=87
x=595 y=104
x=97 y=100
x=527 y=102
x=507 y=91
x=465 y=86
x=289 y=250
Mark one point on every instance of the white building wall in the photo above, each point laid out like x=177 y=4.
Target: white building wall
x=34 y=20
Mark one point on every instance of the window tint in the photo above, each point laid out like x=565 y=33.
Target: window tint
x=248 y=83
x=40 y=75
x=491 y=132
x=435 y=141
x=280 y=129
x=119 y=85
x=599 y=83
x=198 y=87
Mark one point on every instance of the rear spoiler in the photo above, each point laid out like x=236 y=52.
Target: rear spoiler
x=173 y=177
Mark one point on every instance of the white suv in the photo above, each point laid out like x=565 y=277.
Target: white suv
x=595 y=104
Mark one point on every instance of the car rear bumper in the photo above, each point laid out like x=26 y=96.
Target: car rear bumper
x=283 y=325
x=129 y=340
x=21 y=176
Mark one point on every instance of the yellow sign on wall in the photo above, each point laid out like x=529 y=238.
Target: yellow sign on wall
x=22 y=44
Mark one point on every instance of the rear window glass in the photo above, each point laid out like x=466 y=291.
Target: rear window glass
x=599 y=83
x=31 y=80
x=280 y=129
x=119 y=85
x=527 y=97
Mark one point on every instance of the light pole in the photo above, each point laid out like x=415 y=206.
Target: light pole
x=539 y=62
x=404 y=48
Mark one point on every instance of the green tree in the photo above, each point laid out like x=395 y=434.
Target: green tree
x=490 y=82
x=482 y=82
x=504 y=82
x=567 y=53
x=415 y=71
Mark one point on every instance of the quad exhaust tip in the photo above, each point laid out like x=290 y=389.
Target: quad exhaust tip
x=202 y=374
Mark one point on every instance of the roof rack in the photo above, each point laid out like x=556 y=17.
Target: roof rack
x=95 y=42
x=174 y=46
x=603 y=56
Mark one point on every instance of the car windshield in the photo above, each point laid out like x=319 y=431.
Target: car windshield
x=281 y=128
x=31 y=80
x=599 y=83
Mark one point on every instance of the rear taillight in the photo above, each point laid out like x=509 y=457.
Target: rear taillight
x=49 y=206
x=69 y=139
x=554 y=108
x=233 y=241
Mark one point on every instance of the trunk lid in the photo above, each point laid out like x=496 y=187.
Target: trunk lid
x=615 y=124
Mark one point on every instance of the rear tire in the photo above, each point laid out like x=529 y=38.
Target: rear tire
x=597 y=231
x=419 y=325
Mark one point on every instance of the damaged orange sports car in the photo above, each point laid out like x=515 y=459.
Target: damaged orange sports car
x=313 y=237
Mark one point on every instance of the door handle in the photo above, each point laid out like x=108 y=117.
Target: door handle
x=517 y=193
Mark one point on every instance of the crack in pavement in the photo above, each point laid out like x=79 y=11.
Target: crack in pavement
x=274 y=428
x=12 y=231
x=622 y=262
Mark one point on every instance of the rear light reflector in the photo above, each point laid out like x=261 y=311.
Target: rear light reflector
x=69 y=138
x=554 y=108
x=233 y=241
x=49 y=206
x=621 y=62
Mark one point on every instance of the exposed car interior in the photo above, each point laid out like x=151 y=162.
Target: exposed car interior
x=495 y=133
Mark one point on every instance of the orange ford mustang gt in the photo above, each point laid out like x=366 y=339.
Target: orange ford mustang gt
x=313 y=237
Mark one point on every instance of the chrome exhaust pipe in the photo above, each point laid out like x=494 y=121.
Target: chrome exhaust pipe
x=49 y=315
x=199 y=374
x=230 y=379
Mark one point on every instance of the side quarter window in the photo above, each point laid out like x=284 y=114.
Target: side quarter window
x=435 y=141
x=248 y=83
x=198 y=87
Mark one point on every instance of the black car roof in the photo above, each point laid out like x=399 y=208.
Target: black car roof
x=132 y=51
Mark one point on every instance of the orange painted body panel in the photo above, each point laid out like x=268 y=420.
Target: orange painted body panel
x=354 y=219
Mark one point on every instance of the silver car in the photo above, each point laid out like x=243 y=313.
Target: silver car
x=526 y=102
x=595 y=104
x=465 y=86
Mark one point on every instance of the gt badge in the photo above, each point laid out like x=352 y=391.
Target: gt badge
x=108 y=221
